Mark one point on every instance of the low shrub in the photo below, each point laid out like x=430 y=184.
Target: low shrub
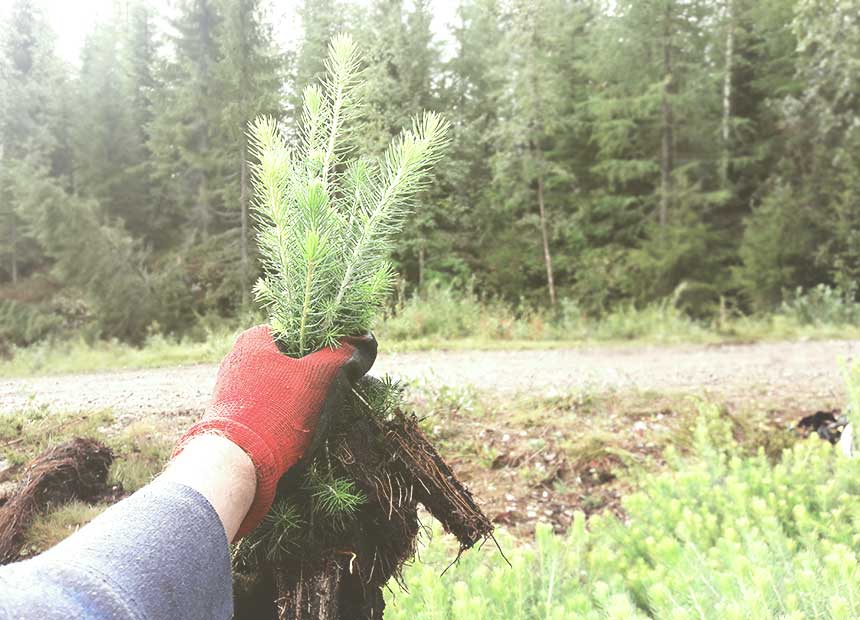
x=722 y=535
x=822 y=305
x=444 y=313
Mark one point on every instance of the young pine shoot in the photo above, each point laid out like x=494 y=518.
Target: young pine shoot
x=328 y=218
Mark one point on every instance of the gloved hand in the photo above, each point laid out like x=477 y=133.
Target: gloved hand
x=269 y=404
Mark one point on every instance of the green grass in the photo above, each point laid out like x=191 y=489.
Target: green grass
x=140 y=449
x=50 y=528
x=79 y=356
x=24 y=434
x=458 y=325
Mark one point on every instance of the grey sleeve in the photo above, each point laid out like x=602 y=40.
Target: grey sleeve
x=160 y=554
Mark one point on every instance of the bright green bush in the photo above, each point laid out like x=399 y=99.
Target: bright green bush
x=720 y=536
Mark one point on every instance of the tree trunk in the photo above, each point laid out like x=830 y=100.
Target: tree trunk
x=537 y=127
x=547 y=257
x=421 y=252
x=727 y=93
x=14 y=244
x=204 y=208
x=243 y=203
x=667 y=158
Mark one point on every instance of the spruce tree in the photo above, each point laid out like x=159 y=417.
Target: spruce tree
x=656 y=119
x=249 y=76
x=474 y=93
x=105 y=142
x=535 y=168
x=31 y=89
x=320 y=20
x=188 y=139
x=403 y=59
x=144 y=217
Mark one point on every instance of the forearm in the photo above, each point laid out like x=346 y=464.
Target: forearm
x=161 y=553
x=221 y=472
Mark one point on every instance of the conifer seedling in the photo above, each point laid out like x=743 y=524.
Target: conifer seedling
x=328 y=220
x=346 y=520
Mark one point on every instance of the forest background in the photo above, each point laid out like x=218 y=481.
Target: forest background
x=697 y=155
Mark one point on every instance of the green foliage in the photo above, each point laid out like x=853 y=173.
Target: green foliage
x=720 y=536
x=851 y=373
x=327 y=221
x=25 y=324
x=275 y=538
x=437 y=312
x=779 y=238
x=822 y=305
x=89 y=253
x=444 y=313
x=32 y=91
x=440 y=318
x=334 y=499
x=557 y=104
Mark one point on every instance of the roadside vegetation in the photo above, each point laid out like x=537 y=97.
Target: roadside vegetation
x=442 y=317
x=609 y=505
x=721 y=534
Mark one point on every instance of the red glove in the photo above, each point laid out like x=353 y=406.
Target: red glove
x=269 y=404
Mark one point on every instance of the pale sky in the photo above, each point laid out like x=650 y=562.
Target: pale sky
x=73 y=19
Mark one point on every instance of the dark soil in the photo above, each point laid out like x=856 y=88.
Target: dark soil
x=534 y=460
x=74 y=470
x=339 y=573
x=826 y=424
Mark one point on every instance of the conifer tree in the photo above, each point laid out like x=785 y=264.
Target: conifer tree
x=823 y=119
x=139 y=56
x=524 y=168
x=320 y=20
x=30 y=93
x=105 y=147
x=403 y=59
x=476 y=78
x=89 y=254
x=187 y=138
x=249 y=74
x=660 y=174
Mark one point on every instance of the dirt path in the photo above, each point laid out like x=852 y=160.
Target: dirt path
x=780 y=371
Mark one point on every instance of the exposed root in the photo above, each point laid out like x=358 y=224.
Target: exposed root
x=74 y=470
x=435 y=485
x=340 y=575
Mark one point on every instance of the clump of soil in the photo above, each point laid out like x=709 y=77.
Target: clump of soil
x=77 y=469
x=338 y=571
x=826 y=424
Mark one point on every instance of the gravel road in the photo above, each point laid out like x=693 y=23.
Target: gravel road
x=796 y=370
